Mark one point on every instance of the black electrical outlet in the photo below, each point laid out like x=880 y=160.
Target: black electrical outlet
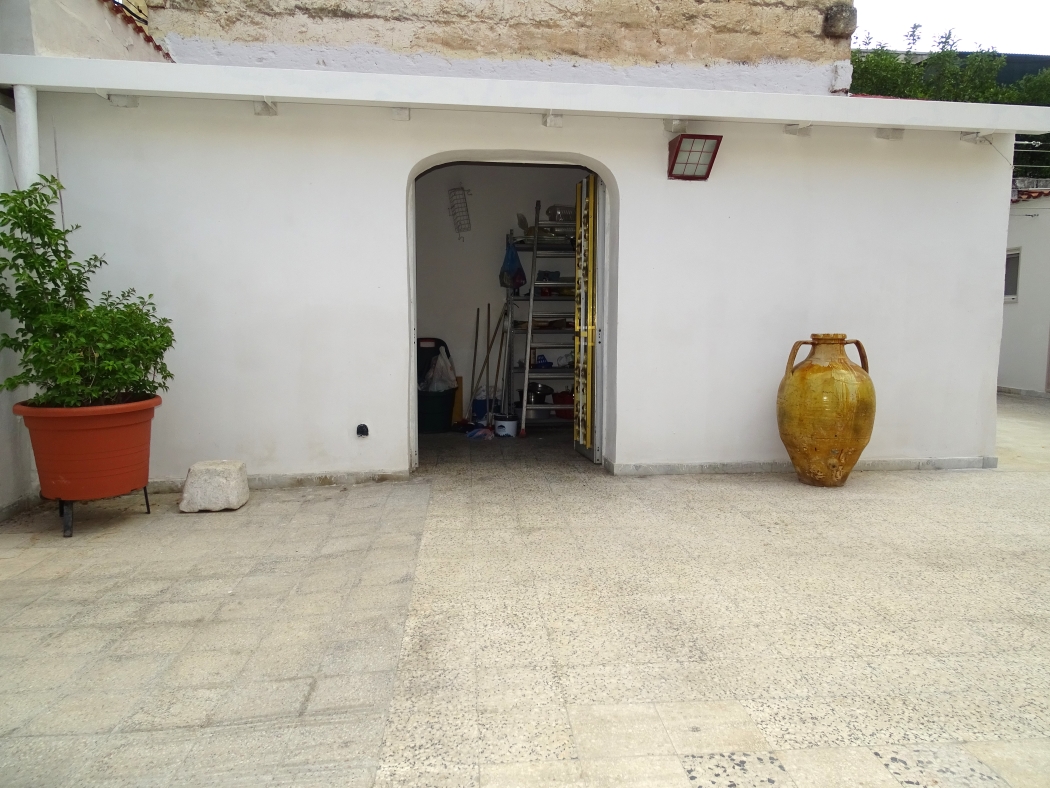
x=362 y=430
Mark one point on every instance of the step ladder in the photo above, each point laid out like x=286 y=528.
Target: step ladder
x=530 y=329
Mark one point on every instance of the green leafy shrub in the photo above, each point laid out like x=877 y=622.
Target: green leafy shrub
x=943 y=75
x=77 y=352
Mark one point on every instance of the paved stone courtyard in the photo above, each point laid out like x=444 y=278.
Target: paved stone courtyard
x=515 y=617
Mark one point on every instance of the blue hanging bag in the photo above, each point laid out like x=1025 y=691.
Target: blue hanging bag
x=511 y=274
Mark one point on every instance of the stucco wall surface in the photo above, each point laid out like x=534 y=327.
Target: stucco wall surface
x=17 y=473
x=70 y=28
x=614 y=31
x=280 y=248
x=1026 y=323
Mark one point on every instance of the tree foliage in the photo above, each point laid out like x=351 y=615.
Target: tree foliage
x=78 y=352
x=942 y=75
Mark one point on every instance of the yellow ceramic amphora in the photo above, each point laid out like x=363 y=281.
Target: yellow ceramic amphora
x=825 y=410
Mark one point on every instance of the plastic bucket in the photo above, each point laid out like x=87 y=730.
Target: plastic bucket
x=506 y=426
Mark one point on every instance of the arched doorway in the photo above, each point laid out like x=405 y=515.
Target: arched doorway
x=549 y=336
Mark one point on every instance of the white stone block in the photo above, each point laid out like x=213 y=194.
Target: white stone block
x=214 y=485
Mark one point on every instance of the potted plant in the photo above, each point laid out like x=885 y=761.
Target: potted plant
x=97 y=367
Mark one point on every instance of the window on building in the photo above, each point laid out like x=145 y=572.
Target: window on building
x=1013 y=273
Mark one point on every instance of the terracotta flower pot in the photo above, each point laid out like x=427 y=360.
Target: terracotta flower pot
x=87 y=453
x=825 y=410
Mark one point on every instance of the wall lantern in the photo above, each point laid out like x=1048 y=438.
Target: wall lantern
x=691 y=156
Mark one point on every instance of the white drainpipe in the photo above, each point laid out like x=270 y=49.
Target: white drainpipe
x=28 y=167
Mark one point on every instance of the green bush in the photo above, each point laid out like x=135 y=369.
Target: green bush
x=77 y=352
x=943 y=75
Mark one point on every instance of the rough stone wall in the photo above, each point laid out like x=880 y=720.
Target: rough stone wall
x=620 y=32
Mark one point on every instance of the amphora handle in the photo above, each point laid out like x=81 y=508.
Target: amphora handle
x=794 y=352
x=860 y=349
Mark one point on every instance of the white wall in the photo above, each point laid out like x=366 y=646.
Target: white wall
x=17 y=476
x=279 y=247
x=1026 y=323
x=453 y=277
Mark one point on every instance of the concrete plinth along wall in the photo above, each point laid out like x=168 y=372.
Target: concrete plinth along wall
x=1026 y=323
x=281 y=247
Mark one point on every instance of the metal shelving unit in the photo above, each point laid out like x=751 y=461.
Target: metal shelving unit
x=553 y=246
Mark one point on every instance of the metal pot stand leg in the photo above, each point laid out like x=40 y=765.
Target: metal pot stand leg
x=65 y=511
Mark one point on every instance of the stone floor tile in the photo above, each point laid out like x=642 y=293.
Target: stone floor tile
x=18 y=708
x=640 y=683
x=156 y=639
x=440 y=775
x=112 y=611
x=364 y=654
x=121 y=673
x=423 y=735
x=228 y=635
x=234 y=755
x=850 y=721
x=288 y=662
x=348 y=737
x=174 y=707
x=243 y=607
x=259 y=700
x=523 y=733
x=386 y=597
x=43 y=672
x=140 y=759
x=80 y=640
x=82 y=713
x=438 y=641
x=352 y=691
x=204 y=668
x=509 y=640
x=181 y=611
x=605 y=731
x=710 y=726
x=35 y=761
x=1023 y=764
x=836 y=767
x=502 y=688
x=634 y=772
x=942 y=767
x=204 y=588
x=976 y=716
x=736 y=770
x=19 y=642
x=331 y=773
x=44 y=613
x=533 y=774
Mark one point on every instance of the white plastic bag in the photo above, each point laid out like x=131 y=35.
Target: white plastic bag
x=441 y=376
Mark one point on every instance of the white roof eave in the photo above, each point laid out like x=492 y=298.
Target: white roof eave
x=82 y=75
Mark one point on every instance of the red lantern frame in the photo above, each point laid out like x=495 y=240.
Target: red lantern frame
x=690 y=170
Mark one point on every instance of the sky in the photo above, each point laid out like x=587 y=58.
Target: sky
x=1017 y=26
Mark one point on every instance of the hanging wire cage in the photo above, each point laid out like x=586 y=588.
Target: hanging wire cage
x=457 y=208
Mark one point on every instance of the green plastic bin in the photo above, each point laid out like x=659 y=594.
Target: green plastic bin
x=435 y=407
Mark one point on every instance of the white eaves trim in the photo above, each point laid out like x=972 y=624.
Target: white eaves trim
x=82 y=75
